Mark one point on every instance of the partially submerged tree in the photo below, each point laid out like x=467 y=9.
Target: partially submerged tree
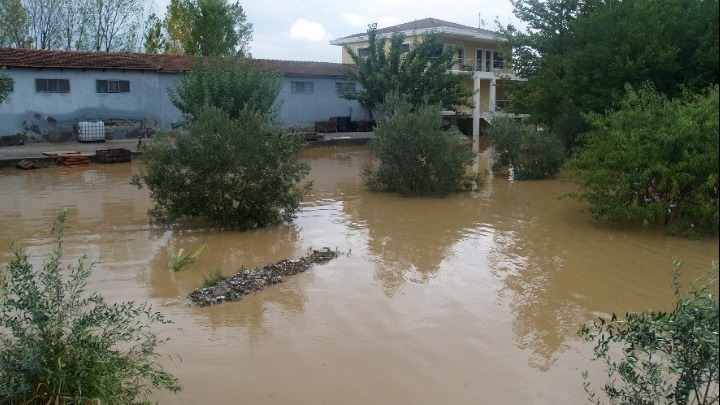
x=231 y=84
x=655 y=160
x=60 y=344
x=415 y=155
x=238 y=173
x=531 y=155
x=662 y=357
x=419 y=75
x=208 y=28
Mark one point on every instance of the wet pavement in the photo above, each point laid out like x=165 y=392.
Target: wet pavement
x=35 y=152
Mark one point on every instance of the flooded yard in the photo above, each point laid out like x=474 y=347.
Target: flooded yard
x=474 y=298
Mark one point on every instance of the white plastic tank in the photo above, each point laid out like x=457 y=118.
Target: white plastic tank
x=89 y=131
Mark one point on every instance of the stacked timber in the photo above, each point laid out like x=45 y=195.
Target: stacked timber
x=117 y=155
x=325 y=126
x=73 y=159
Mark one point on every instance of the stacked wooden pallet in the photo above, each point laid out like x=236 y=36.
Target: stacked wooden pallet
x=70 y=158
x=117 y=155
x=325 y=126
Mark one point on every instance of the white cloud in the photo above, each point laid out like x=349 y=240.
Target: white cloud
x=384 y=22
x=305 y=30
x=356 y=20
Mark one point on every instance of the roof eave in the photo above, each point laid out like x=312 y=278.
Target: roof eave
x=456 y=32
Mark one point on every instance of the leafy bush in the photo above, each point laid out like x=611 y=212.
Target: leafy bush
x=531 y=154
x=416 y=156
x=664 y=357
x=237 y=173
x=230 y=84
x=59 y=345
x=654 y=159
x=569 y=124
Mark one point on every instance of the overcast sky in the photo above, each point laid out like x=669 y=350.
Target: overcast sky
x=302 y=29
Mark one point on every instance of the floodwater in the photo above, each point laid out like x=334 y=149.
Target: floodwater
x=470 y=299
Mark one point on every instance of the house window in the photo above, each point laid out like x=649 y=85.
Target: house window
x=363 y=52
x=112 y=86
x=344 y=87
x=52 y=85
x=478 y=59
x=461 y=56
x=498 y=61
x=405 y=48
x=301 y=87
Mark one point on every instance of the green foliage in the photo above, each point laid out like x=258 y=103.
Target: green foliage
x=532 y=155
x=664 y=358
x=208 y=28
x=587 y=51
x=154 y=38
x=13 y=24
x=238 y=173
x=416 y=155
x=419 y=75
x=231 y=84
x=213 y=278
x=6 y=83
x=60 y=345
x=654 y=159
x=569 y=124
x=177 y=260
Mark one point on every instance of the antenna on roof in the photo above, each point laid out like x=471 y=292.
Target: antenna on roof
x=481 y=22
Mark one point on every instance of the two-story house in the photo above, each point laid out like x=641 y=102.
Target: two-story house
x=478 y=58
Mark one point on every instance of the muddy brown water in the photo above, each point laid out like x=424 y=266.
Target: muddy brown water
x=470 y=299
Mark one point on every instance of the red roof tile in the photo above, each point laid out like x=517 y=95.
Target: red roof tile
x=33 y=58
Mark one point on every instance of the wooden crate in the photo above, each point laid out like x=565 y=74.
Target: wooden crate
x=325 y=126
x=117 y=155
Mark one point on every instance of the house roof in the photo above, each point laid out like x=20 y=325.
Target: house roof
x=423 y=26
x=39 y=59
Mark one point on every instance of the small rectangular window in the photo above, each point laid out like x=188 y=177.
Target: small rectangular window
x=405 y=48
x=363 y=52
x=301 y=87
x=52 y=85
x=112 y=86
x=344 y=87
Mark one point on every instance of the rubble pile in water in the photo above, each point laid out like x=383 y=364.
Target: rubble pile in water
x=234 y=287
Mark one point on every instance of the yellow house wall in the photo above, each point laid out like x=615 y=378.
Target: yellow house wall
x=470 y=47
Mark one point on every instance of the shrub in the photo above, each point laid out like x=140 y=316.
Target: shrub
x=569 y=124
x=230 y=84
x=59 y=345
x=664 y=357
x=415 y=155
x=654 y=159
x=531 y=154
x=237 y=173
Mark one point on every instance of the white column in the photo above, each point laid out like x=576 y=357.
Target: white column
x=493 y=88
x=476 y=107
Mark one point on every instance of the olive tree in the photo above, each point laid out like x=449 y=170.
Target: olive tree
x=414 y=154
x=228 y=83
x=653 y=159
x=532 y=155
x=237 y=173
x=61 y=344
x=661 y=357
x=6 y=84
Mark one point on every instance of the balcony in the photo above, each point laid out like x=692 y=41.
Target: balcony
x=472 y=65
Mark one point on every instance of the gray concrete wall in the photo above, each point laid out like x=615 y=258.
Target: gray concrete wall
x=30 y=116
x=323 y=103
